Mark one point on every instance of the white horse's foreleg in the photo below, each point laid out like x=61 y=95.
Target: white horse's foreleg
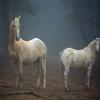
x=88 y=76
x=16 y=69
x=19 y=73
x=43 y=62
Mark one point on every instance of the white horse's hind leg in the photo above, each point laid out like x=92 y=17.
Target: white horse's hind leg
x=38 y=73
x=21 y=74
x=62 y=71
x=88 y=76
x=43 y=62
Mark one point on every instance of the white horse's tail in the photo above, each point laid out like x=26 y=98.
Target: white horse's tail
x=60 y=53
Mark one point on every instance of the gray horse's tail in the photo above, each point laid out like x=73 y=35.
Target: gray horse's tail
x=61 y=64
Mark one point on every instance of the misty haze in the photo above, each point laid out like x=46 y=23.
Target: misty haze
x=59 y=24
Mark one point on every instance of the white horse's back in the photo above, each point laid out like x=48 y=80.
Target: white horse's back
x=31 y=50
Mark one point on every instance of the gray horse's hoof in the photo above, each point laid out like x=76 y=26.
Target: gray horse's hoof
x=20 y=85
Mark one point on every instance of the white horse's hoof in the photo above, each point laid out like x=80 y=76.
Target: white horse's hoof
x=44 y=86
x=87 y=87
x=21 y=85
x=17 y=85
x=68 y=88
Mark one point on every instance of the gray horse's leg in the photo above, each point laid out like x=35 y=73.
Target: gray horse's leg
x=66 y=83
x=43 y=62
x=88 y=76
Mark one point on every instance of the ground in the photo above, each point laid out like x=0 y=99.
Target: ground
x=54 y=89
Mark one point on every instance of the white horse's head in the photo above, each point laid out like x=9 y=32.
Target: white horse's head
x=97 y=44
x=15 y=27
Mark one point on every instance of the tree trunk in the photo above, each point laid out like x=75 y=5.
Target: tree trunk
x=6 y=24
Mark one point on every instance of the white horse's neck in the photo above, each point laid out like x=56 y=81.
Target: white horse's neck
x=12 y=39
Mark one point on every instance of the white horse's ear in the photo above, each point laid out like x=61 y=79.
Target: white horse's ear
x=13 y=18
x=19 y=18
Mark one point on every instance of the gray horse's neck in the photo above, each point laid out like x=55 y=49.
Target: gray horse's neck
x=92 y=46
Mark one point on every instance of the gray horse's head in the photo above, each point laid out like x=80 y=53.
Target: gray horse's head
x=97 y=44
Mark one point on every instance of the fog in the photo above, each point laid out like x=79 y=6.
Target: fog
x=58 y=23
x=60 y=26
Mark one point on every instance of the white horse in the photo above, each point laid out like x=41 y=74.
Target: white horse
x=79 y=59
x=26 y=52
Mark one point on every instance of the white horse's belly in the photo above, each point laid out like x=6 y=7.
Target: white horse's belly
x=30 y=57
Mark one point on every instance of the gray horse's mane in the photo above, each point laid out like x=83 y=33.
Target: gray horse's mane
x=92 y=44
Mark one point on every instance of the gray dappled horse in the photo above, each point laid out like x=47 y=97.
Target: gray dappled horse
x=79 y=59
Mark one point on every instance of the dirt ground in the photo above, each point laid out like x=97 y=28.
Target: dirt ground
x=54 y=89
